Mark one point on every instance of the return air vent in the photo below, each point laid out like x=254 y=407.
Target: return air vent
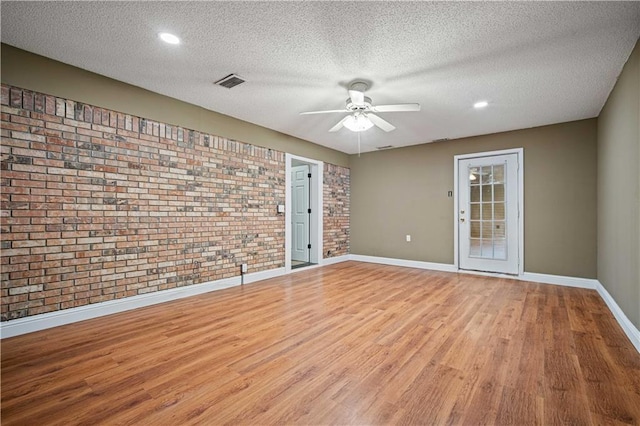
x=232 y=80
x=384 y=147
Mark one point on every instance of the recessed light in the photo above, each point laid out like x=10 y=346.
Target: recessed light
x=169 y=38
x=480 y=104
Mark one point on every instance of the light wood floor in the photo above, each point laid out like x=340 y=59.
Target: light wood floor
x=352 y=343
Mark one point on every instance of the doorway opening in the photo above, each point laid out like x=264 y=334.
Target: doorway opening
x=303 y=205
x=488 y=214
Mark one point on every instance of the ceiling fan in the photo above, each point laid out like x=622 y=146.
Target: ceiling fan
x=361 y=111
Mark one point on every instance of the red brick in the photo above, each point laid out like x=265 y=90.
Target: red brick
x=4 y=98
x=28 y=121
x=43 y=309
x=15 y=126
x=25 y=305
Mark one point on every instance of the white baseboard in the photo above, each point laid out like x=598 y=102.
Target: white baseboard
x=589 y=283
x=445 y=267
x=627 y=326
x=405 y=263
x=67 y=316
x=262 y=275
x=337 y=259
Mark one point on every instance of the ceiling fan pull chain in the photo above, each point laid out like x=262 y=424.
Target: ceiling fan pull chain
x=358 y=143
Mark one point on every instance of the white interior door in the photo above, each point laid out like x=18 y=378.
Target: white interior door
x=488 y=209
x=300 y=213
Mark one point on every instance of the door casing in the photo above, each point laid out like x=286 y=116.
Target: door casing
x=456 y=240
x=316 y=204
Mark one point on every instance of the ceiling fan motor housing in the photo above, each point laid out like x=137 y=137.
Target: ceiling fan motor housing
x=359 y=86
x=364 y=107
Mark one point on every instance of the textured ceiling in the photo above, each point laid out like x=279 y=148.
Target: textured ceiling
x=536 y=63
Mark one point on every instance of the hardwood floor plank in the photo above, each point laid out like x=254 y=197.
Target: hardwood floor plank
x=487 y=394
x=303 y=402
x=41 y=404
x=473 y=373
x=436 y=384
x=529 y=374
x=565 y=401
x=351 y=343
x=415 y=359
x=608 y=389
x=518 y=407
x=618 y=353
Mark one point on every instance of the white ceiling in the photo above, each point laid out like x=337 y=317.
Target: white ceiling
x=536 y=63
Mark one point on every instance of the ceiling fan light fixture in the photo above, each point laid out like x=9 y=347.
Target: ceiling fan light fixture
x=358 y=123
x=362 y=113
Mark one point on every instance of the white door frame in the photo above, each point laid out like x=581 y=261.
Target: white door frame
x=316 y=169
x=456 y=211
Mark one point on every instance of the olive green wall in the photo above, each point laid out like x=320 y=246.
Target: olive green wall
x=29 y=71
x=619 y=191
x=404 y=191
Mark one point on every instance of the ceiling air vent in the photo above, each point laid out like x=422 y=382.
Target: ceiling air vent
x=440 y=140
x=232 y=80
x=384 y=147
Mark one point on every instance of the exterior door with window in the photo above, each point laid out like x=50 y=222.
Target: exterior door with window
x=488 y=214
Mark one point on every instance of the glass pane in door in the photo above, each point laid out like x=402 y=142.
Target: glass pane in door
x=487 y=212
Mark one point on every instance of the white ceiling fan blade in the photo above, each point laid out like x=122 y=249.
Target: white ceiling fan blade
x=339 y=125
x=357 y=97
x=324 y=112
x=383 y=124
x=396 y=108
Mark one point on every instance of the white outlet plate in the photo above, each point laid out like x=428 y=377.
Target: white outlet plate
x=408 y=238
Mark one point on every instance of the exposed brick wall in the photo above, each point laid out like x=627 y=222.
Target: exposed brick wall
x=336 y=188
x=99 y=205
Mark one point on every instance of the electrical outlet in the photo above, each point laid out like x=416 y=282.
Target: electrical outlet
x=244 y=267
x=408 y=238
